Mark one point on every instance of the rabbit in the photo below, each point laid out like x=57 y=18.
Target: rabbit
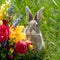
x=32 y=29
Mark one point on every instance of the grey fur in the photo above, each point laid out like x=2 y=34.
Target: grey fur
x=32 y=29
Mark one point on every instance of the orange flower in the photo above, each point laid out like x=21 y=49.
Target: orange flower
x=1 y=18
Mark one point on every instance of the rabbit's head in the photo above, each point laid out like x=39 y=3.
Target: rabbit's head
x=33 y=26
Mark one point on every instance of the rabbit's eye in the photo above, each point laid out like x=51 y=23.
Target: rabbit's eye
x=36 y=25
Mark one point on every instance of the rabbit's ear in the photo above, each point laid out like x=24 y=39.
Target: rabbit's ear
x=38 y=15
x=28 y=13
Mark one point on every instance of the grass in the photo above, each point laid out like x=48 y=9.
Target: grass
x=49 y=25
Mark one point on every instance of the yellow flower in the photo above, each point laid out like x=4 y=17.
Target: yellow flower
x=19 y=29
x=7 y=1
x=3 y=7
x=12 y=35
x=20 y=37
x=11 y=50
x=4 y=10
x=1 y=22
x=17 y=34
x=30 y=47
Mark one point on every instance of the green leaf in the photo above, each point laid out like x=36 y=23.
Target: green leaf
x=3 y=55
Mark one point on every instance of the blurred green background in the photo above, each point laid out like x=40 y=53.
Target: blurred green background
x=49 y=25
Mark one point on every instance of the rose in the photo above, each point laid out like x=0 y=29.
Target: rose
x=21 y=47
x=4 y=33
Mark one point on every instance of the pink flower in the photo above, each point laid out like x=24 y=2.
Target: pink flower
x=4 y=33
x=28 y=42
x=21 y=47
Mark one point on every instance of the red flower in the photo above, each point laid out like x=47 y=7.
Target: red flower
x=21 y=47
x=4 y=33
x=10 y=56
x=5 y=22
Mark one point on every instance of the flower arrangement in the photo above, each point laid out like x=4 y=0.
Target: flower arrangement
x=13 y=40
